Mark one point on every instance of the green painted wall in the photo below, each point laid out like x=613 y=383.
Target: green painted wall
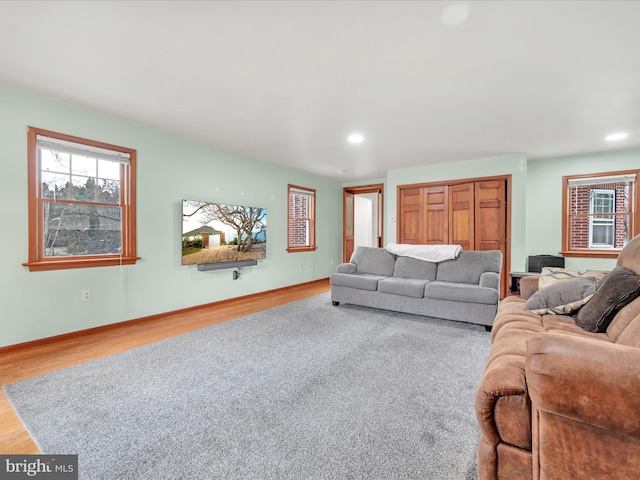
x=514 y=165
x=544 y=199
x=41 y=304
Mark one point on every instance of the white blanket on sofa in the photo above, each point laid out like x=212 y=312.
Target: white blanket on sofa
x=429 y=253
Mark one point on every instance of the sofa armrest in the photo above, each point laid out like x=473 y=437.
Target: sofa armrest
x=528 y=286
x=501 y=397
x=587 y=380
x=347 y=268
x=490 y=279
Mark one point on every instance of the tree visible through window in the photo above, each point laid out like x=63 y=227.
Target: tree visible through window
x=81 y=202
x=301 y=219
x=599 y=213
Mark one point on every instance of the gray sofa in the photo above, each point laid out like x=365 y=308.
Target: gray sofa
x=466 y=288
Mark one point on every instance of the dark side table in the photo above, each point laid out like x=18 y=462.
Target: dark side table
x=515 y=279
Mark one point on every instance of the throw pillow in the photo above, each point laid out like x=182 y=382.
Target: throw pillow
x=562 y=298
x=551 y=275
x=618 y=288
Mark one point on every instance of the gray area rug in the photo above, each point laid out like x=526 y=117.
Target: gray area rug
x=302 y=391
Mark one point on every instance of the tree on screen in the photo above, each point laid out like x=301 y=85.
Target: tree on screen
x=244 y=220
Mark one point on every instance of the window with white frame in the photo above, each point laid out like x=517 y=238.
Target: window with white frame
x=602 y=220
x=81 y=202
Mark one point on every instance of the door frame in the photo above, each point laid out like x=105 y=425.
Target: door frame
x=356 y=190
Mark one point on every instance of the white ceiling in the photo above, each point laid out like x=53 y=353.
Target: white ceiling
x=287 y=81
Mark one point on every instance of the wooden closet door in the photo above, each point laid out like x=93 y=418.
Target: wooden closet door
x=462 y=216
x=436 y=215
x=472 y=214
x=491 y=229
x=490 y=200
x=411 y=212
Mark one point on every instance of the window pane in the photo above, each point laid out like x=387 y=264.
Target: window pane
x=86 y=166
x=299 y=206
x=298 y=233
x=621 y=230
x=578 y=205
x=579 y=232
x=54 y=161
x=84 y=189
x=74 y=230
x=603 y=236
x=108 y=170
x=602 y=202
x=55 y=185
x=108 y=191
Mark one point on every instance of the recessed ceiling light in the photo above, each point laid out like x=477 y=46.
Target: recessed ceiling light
x=614 y=137
x=355 y=138
x=455 y=14
x=342 y=172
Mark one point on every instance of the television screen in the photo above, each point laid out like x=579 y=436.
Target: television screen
x=220 y=232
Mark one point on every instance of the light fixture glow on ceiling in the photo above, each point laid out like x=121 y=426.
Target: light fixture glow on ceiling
x=455 y=14
x=614 y=137
x=356 y=138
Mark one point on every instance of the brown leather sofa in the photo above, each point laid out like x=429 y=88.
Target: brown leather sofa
x=557 y=402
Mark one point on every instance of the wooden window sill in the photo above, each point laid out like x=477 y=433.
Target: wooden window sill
x=592 y=253
x=301 y=249
x=67 y=263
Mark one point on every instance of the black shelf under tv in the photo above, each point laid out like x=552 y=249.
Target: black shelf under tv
x=203 y=267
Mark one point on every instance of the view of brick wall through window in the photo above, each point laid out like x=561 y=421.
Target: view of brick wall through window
x=583 y=233
x=299 y=211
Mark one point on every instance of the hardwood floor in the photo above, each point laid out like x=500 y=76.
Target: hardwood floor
x=36 y=358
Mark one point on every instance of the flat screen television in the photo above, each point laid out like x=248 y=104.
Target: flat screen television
x=219 y=232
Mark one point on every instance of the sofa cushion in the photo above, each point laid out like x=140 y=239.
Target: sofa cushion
x=618 y=288
x=361 y=281
x=375 y=261
x=407 y=267
x=624 y=329
x=468 y=267
x=553 y=275
x=461 y=292
x=512 y=315
x=408 y=287
x=562 y=298
x=630 y=255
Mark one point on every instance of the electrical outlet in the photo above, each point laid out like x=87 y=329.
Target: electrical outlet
x=86 y=295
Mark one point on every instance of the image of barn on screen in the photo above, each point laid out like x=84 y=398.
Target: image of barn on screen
x=220 y=232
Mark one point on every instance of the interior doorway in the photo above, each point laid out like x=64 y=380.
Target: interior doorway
x=363 y=208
